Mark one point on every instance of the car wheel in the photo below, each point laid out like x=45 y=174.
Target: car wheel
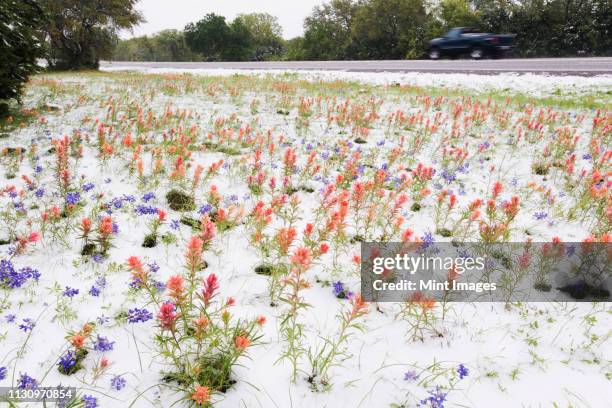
x=434 y=53
x=476 y=53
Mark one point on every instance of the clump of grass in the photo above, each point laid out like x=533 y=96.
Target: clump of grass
x=180 y=201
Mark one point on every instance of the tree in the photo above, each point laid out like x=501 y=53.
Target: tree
x=81 y=32
x=239 y=44
x=19 y=48
x=208 y=36
x=167 y=45
x=390 y=29
x=218 y=41
x=457 y=13
x=327 y=31
x=266 y=32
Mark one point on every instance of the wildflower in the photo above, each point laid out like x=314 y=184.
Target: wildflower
x=94 y=291
x=261 y=320
x=145 y=210
x=148 y=197
x=27 y=325
x=339 y=290
x=194 y=253
x=176 y=287
x=241 y=343
x=3 y=372
x=463 y=371
x=359 y=307
x=201 y=395
x=102 y=344
x=497 y=189
x=136 y=266
x=167 y=315
x=211 y=285
x=68 y=361
x=11 y=278
x=540 y=215
x=85 y=225
x=90 y=401
x=88 y=187
x=118 y=383
x=26 y=382
x=411 y=376
x=73 y=198
x=436 y=399
x=78 y=340
x=301 y=257
x=138 y=315
x=70 y=292
x=10 y=318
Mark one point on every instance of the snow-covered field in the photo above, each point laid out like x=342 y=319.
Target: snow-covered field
x=268 y=181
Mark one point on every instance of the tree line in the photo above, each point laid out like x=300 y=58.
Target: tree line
x=77 y=34
x=383 y=29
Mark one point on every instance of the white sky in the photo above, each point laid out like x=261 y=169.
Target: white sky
x=164 y=14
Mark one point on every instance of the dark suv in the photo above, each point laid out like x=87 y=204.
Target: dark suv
x=470 y=41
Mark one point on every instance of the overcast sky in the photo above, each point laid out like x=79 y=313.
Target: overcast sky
x=164 y=14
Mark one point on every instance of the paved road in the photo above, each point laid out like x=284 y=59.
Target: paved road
x=556 y=66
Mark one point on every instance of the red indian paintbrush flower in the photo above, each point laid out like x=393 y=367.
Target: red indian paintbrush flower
x=211 y=285
x=167 y=316
x=201 y=395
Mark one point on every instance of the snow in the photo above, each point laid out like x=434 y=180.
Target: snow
x=535 y=354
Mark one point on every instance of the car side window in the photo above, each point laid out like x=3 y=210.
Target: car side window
x=454 y=33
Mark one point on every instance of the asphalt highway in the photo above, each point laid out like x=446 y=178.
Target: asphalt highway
x=550 y=66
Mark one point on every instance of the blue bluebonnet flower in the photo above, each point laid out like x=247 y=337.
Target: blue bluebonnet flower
x=40 y=192
x=94 y=291
x=175 y=224
x=448 y=176
x=148 y=196
x=102 y=344
x=27 y=325
x=26 y=382
x=159 y=286
x=68 y=360
x=462 y=371
x=427 y=239
x=139 y=315
x=38 y=169
x=73 y=198
x=118 y=382
x=98 y=258
x=88 y=187
x=10 y=318
x=90 y=401
x=70 y=292
x=587 y=157
x=11 y=278
x=101 y=282
x=142 y=209
x=101 y=320
x=540 y=215
x=339 y=290
x=411 y=375
x=3 y=372
x=436 y=399
x=205 y=209
x=153 y=266
x=108 y=180
x=115 y=228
